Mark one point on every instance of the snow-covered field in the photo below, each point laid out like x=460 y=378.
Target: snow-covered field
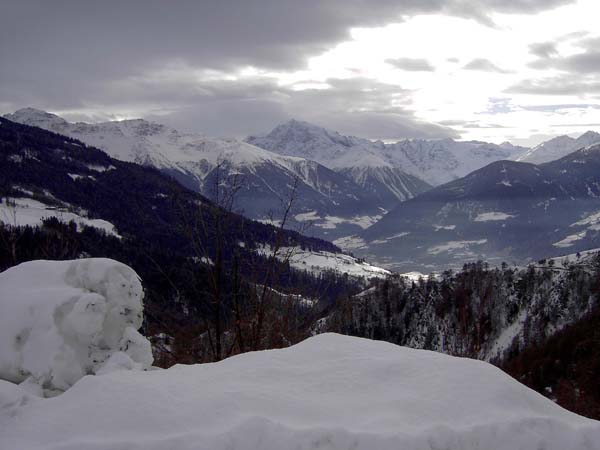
x=62 y=320
x=328 y=392
x=331 y=222
x=455 y=245
x=319 y=261
x=26 y=211
x=492 y=216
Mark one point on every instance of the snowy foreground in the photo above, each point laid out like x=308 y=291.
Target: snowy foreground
x=328 y=392
x=61 y=320
x=68 y=332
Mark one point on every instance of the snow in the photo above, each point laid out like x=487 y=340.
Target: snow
x=320 y=261
x=390 y=238
x=558 y=147
x=331 y=222
x=62 y=320
x=492 y=216
x=307 y=216
x=155 y=144
x=570 y=240
x=352 y=242
x=507 y=336
x=444 y=227
x=435 y=161
x=414 y=276
x=454 y=245
x=328 y=392
x=26 y=211
x=591 y=219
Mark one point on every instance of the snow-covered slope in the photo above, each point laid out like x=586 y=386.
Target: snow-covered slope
x=558 y=147
x=26 y=211
x=328 y=392
x=435 y=161
x=263 y=179
x=318 y=262
x=62 y=320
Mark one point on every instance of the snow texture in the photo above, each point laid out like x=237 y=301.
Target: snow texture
x=26 y=211
x=435 y=161
x=558 y=147
x=328 y=392
x=62 y=320
x=321 y=261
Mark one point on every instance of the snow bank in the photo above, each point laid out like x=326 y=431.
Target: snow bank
x=61 y=320
x=329 y=392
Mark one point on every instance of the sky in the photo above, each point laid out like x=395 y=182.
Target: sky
x=493 y=70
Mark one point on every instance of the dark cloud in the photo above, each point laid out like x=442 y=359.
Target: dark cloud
x=411 y=64
x=357 y=106
x=95 y=56
x=543 y=49
x=585 y=62
x=484 y=65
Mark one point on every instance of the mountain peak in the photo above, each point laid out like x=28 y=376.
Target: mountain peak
x=588 y=138
x=35 y=117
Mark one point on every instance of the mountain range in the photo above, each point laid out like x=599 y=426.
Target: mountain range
x=372 y=197
x=263 y=180
x=558 y=147
x=435 y=161
x=507 y=211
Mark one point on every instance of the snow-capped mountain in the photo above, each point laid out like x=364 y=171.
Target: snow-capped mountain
x=435 y=161
x=507 y=211
x=264 y=178
x=558 y=147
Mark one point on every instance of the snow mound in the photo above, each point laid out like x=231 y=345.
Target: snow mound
x=61 y=320
x=329 y=392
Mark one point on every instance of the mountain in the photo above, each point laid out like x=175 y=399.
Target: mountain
x=435 y=161
x=506 y=211
x=558 y=147
x=173 y=237
x=262 y=180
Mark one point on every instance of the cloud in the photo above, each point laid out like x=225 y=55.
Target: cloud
x=560 y=107
x=543 y=49
x=484 y=65
x=561 y=85
x=411 y=64
x=358 y=106
x=182 y=59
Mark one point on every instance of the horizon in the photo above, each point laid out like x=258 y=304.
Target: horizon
x=266 y=132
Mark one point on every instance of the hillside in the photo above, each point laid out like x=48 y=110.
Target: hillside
x=186 y=248
x=506 y=211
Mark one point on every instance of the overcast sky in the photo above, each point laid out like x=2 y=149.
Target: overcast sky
x=496 y=70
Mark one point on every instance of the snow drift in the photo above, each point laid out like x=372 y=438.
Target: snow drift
x=329 y=392
x=61 y=320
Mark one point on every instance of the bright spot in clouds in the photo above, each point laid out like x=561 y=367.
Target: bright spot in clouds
x=477 y=103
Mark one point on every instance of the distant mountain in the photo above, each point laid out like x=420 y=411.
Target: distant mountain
x=336 y=203
x=558 y=147
x=506 y=211
x=435 y=161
